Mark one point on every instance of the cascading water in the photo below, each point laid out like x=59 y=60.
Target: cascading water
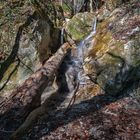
x=75 y=69
x=82 y=46
x=62 y=36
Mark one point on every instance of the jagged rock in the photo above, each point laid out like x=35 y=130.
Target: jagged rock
x=37 y=42
x=113 y=59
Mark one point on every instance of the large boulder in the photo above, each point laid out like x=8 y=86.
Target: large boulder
x=80 y=25
x=13 y=15
x=113 y=59
x=38 y=41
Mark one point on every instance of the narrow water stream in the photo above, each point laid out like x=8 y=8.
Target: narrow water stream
x=75 y=73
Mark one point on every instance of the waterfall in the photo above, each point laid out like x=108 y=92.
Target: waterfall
x=78 y=60
x=62 y=36
x=93 y=30
x=75 y=69
x=95 y=24
x=82 y=46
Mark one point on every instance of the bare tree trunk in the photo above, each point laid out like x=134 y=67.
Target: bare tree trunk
x=61 y=2
x=91 y=6
x=27 y=96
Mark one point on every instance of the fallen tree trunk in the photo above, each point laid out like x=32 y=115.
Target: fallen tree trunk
x=26 y=97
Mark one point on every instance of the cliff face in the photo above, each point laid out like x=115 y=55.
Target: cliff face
x=113 y=57
x=35 y=43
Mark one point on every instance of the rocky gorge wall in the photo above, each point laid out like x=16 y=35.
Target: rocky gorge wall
x=112 y=57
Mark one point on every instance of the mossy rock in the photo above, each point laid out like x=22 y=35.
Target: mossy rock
x=80 y=25
x=113 y=59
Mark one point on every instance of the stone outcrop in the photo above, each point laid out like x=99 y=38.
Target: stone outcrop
x=113 y=59
x=38 y=41
x=80 y=25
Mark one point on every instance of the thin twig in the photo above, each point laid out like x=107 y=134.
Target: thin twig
x=6 y=131
x=25 y=65
x=96 y=6
x=73 y=98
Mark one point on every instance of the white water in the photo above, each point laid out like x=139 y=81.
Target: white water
x=78 y=60
x=84 y=44
x=93 y=30
x=75 y=73
x=62 y=36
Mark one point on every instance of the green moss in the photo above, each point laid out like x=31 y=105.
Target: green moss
x=80 y=25
x=78 y=35
x=101 y=43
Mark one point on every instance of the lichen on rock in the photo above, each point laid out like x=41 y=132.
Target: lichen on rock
x=80 y=25
x=113 y=59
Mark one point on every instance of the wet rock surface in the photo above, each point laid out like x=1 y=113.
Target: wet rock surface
x=80 y=25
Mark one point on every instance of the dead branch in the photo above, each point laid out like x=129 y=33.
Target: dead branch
x=72 y=100
x=36 y=83
x=24 y=64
